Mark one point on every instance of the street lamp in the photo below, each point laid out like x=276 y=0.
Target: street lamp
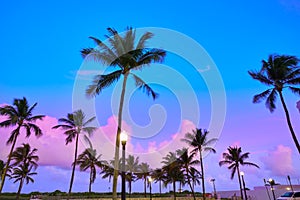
x=150 y=181
x=215 y=192
x=272 y=182
x=244 y=186
x=267 y=189
x=123 y=138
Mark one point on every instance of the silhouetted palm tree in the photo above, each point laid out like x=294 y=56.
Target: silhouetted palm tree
x=123 y=56
x=74 y=125
x=187 y=164
x=234 y=158
x=20 y=116
x=200 y=142
x=172 y=171
x=143 y=173
x=22 y=173
x=24 y=155
x=132 y=167
x=278 y=72
x=89 y=159
x=158 y=176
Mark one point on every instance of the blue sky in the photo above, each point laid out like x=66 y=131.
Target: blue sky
x=40 y=56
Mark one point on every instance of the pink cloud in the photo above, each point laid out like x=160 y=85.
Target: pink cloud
x=279 y=161
x=53 y=151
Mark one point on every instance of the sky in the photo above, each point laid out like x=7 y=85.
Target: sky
x=203 y=83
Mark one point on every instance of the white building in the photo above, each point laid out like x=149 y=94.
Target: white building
x=260 y=192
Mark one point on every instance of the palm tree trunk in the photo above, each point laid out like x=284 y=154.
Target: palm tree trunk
x=20 y=188
x=160 y=187
x=74 y=164
x=145 y=183
x=190 y=184
x=130 y=184
x=174 y=188
x=90 y=185
x=116 y=164
x=289 y=122
x=8 y=161
x=202 y=174
x=240 y=182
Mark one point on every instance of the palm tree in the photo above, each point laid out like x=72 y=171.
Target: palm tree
x=24 y=155
x=132 y=166
x=158 y=176
x=234 y=158
x=2 y=166
x=124 y=56
x=74 y=125
x=280 y=71
x=143 y=173
x=195 y=177
x=18 y=115
x=172 y=170
x=89 y=159
x=22 y=173
x=187 y=163
x=199 y=141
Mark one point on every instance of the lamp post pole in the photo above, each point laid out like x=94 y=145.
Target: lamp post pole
x=244 y=185
x=267 y=189
x=272 y=182
x=150 y=186
x=289 y=179
x=214 y=186
x=123 y=138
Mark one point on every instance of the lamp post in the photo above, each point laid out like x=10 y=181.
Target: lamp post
x=214 y=186
x=244 y=186
x=150 y=186
x=289 y=179
x=267 y=189
x=272 y=182
x=123 y=138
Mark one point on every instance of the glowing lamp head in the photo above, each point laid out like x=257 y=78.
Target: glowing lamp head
x=242 y=173
x=123 y=137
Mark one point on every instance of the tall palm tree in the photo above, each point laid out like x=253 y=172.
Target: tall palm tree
x=172 y=170
x=22 y=173
x=199 y=141
x=234 y=158
x=122 y=55
x=2 y=166
x=158 y=176
x=143 y=173
x=89 y=159
x=25 y=155
x=20 y=116
x=278 y=72
x=74 y=125
x=132 y=166
x=187 y=164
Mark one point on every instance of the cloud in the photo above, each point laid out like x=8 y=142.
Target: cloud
x=279 y=161
x=53 y=151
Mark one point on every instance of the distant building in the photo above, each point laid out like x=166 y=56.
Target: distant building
x=260 y=192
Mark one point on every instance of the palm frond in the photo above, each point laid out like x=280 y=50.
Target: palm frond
x=295 y=90
x=146 y=88
x=270 y=102
x=150 y=56
x=146 y=36
x=260 y=77
x=102 y=81
x=259 y=97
